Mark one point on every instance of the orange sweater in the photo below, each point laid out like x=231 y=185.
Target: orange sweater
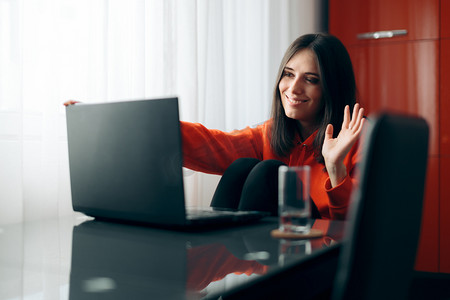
x=212 y=151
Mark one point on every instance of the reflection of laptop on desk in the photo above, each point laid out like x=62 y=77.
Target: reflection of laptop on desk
x=126 y=164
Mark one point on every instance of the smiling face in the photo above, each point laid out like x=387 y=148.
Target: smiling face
x=300 y=90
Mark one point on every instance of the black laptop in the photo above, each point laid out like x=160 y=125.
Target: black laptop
x=126 y=163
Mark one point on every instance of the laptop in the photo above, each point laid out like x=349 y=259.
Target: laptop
x=125 y=161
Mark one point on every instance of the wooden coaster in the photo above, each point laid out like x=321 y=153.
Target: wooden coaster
x=313 y=233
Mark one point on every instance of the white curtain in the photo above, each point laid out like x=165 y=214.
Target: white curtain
x=219 y=57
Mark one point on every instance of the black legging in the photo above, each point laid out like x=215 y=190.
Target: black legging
x=251 y=184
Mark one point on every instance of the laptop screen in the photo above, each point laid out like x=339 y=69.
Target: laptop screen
x=125 y=160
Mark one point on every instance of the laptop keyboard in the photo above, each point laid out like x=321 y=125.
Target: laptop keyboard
x=211 y=213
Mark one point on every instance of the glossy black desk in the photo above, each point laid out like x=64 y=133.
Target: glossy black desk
x=78 y=258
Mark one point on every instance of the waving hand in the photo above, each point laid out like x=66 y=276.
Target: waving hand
x=334 y=150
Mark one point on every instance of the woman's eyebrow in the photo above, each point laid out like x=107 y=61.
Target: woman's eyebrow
x=287 y=68
x=312 y=73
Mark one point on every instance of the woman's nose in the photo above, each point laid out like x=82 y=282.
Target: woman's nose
x=297 y=86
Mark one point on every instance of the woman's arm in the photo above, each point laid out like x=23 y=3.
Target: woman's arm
x=212 y=151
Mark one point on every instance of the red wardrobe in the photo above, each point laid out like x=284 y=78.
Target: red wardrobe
x=401 y=55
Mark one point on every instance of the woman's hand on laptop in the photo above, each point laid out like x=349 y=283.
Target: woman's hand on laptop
x=70 y=102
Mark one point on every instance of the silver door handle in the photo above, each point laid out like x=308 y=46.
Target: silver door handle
x=381 y=34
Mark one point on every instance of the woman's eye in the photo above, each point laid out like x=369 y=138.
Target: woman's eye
x=312 y=80
x=288 y=74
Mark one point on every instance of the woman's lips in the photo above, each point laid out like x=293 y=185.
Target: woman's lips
x=296 y=101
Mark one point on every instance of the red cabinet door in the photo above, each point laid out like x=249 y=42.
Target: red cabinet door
x=402 y=74
x=350 y=18
x=402 y=77
x=445 y=98
x=444 y=228
x=444 y=210
x=427 y=258
x=445 y=19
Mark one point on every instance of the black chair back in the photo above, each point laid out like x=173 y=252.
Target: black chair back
x=379 y=250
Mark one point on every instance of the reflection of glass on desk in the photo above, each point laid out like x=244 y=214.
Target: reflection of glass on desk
x=292 y=250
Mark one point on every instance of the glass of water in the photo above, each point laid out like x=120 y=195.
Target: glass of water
x=293 y=198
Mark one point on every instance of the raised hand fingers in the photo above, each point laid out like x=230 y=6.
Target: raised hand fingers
x=346 y=121
x=358 y=118
x=355 y=124
x=329 y=132
x=354 y=115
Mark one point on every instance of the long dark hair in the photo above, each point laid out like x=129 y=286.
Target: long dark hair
x=338 y=89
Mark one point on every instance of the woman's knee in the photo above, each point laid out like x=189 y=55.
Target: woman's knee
x=265 y=173
x=261 y=187
x=267 y=167
x=229 y=188
x=243 y=164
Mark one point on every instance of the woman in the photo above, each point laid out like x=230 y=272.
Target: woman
x=311 y=124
